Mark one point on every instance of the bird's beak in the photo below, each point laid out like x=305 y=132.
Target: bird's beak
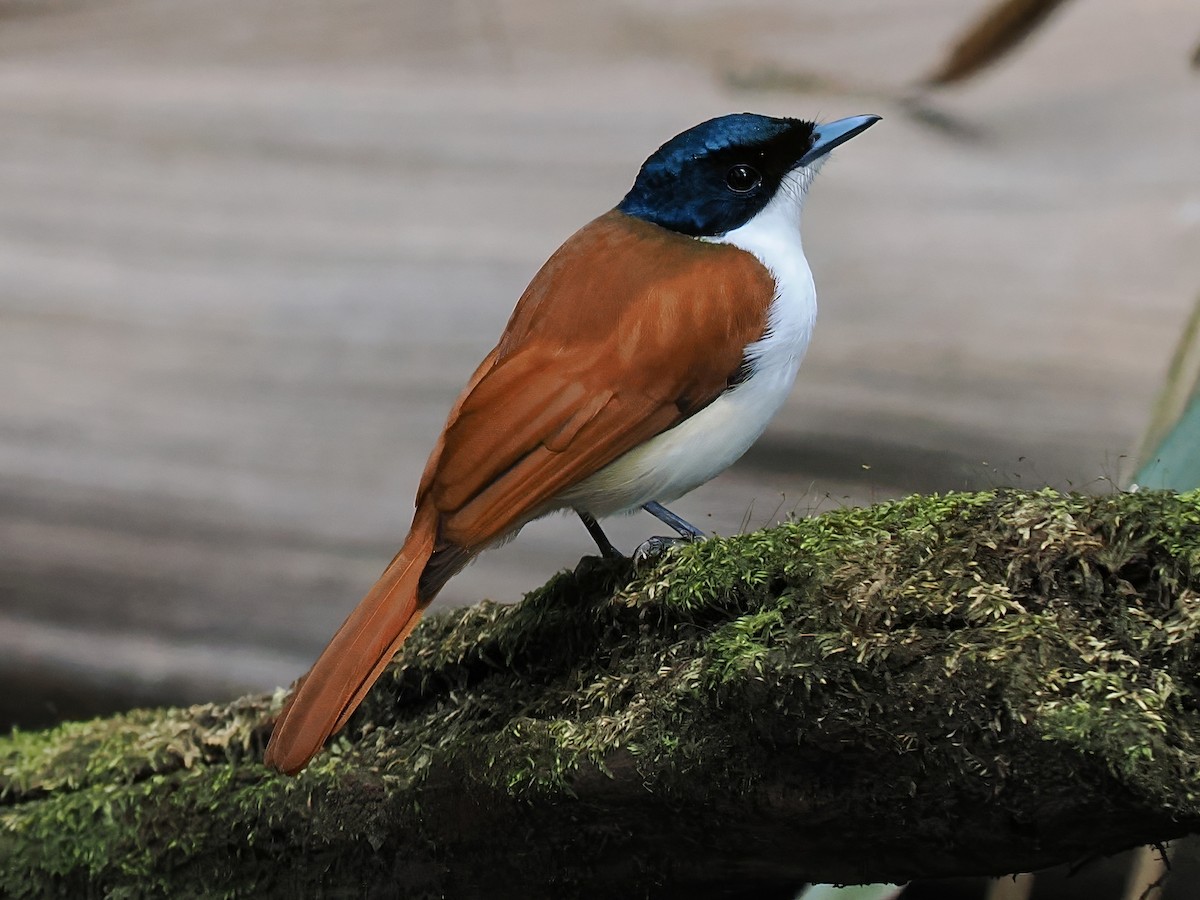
x=834 y=134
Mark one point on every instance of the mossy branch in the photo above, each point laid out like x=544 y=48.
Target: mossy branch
x=977 y=683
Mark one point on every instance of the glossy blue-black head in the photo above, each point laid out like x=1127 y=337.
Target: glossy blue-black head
x=717 y=176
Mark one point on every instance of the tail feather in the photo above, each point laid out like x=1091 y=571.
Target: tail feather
x=356 y=656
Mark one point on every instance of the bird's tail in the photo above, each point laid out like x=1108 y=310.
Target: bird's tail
x=356 y=656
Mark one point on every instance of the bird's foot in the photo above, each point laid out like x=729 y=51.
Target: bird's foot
x=657 y=546
x=649 y=549
x=652 y=548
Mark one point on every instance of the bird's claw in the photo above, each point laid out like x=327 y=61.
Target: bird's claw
x=652 y=548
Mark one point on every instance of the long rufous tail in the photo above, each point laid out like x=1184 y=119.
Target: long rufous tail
x=356 y=656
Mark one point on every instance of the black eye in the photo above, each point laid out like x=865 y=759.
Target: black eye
x=742 y=179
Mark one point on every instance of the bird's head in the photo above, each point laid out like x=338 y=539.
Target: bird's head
x=717 y=176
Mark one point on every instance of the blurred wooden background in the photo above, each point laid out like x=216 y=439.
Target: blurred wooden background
x=250 y=251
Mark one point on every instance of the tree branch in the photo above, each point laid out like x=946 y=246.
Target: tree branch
x=978 y=683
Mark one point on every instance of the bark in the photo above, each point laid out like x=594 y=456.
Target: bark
x=970 y=684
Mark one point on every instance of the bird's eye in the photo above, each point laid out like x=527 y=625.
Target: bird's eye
x=742 y=179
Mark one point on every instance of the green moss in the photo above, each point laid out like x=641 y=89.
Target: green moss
x=955 y=640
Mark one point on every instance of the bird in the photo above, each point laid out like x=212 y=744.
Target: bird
x=645 y=357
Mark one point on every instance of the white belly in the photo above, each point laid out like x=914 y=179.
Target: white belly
x=685 y=457
x=700 y=448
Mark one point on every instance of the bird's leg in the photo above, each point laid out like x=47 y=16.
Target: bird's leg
x=686 y=529
x=655 y=546
x=607 y=550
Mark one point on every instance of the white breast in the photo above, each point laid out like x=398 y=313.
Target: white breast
x=704 y=445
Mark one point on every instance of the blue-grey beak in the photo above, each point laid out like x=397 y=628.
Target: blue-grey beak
x=834 y=134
